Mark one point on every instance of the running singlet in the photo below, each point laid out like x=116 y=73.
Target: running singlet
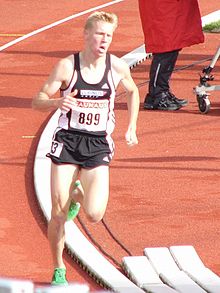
x=93 y=111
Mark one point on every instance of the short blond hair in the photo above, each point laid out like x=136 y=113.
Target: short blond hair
x=101 y=16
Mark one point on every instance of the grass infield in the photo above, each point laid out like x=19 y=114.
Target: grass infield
x=213 y=27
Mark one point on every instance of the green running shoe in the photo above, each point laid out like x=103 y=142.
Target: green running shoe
x=73 y=210
x=74 y=206
x=59 y=277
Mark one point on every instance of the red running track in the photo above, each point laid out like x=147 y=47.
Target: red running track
x=163 y=192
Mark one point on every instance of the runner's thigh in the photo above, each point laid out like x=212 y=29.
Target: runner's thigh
x=62 y=178
x=95 y=183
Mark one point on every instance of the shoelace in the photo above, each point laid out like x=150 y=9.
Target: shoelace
x=60 y=274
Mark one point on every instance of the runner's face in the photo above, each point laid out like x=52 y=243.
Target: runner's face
x=99 y=37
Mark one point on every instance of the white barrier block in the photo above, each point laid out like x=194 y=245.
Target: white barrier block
x=140 y=270
x=143 y=274
x=136 y=56
x=15 y=286
x=158 y=288
x=189 y=261
x=206 y=279
x=165 y=265
x=186 y=257
x=161 y=259
x=181 y=282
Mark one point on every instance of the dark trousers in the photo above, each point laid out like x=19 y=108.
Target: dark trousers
x=161 y=69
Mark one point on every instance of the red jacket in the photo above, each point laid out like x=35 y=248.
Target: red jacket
x=170 y=24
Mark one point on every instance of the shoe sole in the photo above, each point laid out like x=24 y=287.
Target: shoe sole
x=163 y=109
x=54 y=284
x=183 y=104
x=149 y=107
x=169 y=109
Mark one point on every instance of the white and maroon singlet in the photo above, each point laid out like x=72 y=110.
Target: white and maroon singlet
x=93 y=111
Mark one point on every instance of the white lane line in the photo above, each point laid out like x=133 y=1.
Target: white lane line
x=57 y=23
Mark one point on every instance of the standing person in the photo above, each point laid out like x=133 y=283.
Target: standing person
x=168 y=26
x=82 y=143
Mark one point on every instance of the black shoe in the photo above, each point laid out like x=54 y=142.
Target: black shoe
x=149 y=102
x=165 y=103
x=161 y=102
x=181 y=102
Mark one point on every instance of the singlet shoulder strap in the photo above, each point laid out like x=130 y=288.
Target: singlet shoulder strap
x=76 y=62
x=108 y=61
x=107 y=65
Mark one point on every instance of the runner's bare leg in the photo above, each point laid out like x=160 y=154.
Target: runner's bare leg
x=62 y=177
x=95 y=183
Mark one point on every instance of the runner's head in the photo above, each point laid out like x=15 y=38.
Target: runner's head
x=101 y=16
x=98 y=32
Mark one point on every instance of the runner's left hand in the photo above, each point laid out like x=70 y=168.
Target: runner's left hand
x=131 y=138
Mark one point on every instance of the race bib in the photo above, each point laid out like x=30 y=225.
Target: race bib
x=56 y=148
x=90 y=115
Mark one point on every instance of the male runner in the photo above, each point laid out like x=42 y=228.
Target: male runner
x=82 y=145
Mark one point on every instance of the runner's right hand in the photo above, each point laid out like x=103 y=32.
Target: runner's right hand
x=68 y=101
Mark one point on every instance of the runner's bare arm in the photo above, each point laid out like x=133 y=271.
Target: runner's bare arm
x=133 y=100
x=45 y=100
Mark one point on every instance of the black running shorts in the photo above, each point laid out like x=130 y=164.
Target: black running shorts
x=84 y=150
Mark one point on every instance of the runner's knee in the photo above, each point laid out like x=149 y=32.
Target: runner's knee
x=58 y=215
x=95 y=217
